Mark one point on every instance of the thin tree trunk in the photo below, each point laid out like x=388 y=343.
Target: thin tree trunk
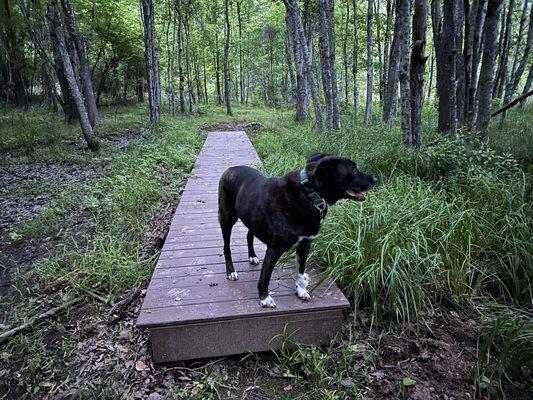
x=241 y=62
x=418 y=61
x=59 y=35
x=502 y=74
x=390 y=98
x=81 y=50
x=227 y=89
x=403 y=15
x=430 y=84
x=370 y=64
x=486 y=74
x=345 y=50
x=292 y=8
x=15 y=61
x=301 y=93
x=152 y=61
x=526 y=57
x=477 y=19
x=325 y=67
x=355 y=59
x=190 y=88
x=181 y=77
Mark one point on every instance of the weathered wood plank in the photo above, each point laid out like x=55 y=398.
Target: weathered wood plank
x=190 y=307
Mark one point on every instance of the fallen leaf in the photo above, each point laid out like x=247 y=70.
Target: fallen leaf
x=347 y=382
x=141 y=366
x=408 y=382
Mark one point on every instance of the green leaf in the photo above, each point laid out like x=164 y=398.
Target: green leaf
x=408 y=382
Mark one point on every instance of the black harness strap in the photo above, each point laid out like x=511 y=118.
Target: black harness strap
x=311 y=194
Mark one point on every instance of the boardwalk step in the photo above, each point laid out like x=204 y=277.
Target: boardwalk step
x=192 y=311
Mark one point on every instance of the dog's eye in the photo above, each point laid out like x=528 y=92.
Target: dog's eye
x=355 y=171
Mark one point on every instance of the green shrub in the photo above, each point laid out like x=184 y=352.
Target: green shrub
x=448 y=223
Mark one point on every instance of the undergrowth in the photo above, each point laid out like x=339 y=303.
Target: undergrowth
x=447 y=224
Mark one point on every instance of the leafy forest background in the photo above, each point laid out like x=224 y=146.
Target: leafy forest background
x=105 y=105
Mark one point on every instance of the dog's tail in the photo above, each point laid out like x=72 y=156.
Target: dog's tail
x=226 y=198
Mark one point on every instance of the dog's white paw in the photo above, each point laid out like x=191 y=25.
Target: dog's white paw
x=233 y=276
x=267 y=302
x=254 y=260
x=302 y=293
x=302 y=280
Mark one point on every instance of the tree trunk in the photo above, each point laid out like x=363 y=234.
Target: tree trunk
x=190 y=88
x=227 y=89
x=301 y=94
x=502 y=74
x=390 y=96
x=345 y=51
x=152 y=61
x=515 y=78
x=81 y=50
x=325 y=67
x=293 y=10
x=476 y=22
x=15 y=61
x=418 y=61
x=355 y=59
x=403 y=14
x=370 y=64
x=241 y=62
x=486 y=74
x=60 y=41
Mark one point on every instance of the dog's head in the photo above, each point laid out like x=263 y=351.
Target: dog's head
x=338 y=178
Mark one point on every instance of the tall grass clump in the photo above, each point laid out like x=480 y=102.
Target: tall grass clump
x=448 y=223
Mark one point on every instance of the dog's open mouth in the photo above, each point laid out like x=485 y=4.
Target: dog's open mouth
x=359 y=196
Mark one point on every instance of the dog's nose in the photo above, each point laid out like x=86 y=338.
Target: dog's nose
x=373 y=179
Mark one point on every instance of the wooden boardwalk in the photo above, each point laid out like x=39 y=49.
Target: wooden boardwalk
x=192 y=310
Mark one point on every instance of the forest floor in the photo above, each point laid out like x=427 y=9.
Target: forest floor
x=64 y=214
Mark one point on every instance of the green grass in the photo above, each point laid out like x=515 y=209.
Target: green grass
x=448 y=223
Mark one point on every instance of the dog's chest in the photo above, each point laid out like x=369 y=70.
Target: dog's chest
x=311 y=234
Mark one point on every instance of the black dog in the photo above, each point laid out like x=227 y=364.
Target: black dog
x=282 y=212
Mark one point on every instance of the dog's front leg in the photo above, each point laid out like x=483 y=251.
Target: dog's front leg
x=271 y=258
x=302 y=279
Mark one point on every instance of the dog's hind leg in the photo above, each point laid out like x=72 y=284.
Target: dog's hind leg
x=227 y=217
x=302 y=279
x=252 y=257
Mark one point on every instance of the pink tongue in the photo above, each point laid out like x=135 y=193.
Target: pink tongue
x=357 y=195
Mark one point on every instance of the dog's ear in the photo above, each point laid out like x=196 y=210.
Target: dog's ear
x=322 y=166
x=316 y=157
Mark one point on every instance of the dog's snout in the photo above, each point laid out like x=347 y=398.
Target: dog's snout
x=373 y=179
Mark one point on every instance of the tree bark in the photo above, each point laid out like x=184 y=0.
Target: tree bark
x=486 y=74
x=517 y=75
x=355 y=59
x=181 y=77
x=301 y=94
x=370 y=64
x=403 y=15
x=81 y=50
x=15 y=61
x=293 y=10
x=502 y=74
x=227 y=88
x=241 y=62
x=152 y=61
x=418 y=61
x=390 y=96
x=472 y=49
x=59 y=36
x=345 y=50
